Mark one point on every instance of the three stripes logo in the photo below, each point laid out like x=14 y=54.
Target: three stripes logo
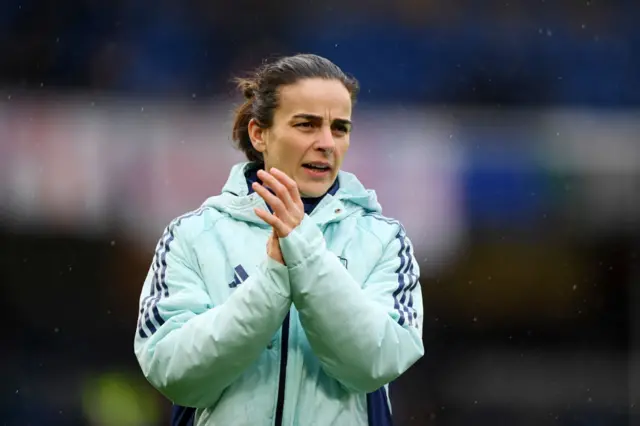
x=149 y=318
x=239 y=276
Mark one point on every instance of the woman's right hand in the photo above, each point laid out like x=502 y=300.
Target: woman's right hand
x=273 y=248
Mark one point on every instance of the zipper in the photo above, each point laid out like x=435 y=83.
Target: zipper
x=284 y=352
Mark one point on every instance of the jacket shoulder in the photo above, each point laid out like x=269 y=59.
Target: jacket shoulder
x=384 y=228
x=191 y=224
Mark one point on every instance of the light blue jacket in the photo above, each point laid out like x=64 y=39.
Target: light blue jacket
x=214 y=309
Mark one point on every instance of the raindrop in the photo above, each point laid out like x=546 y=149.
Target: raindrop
x=141 y=109
x=9 y=97
x=584 y=26
x=70 y=268
x=112 y=243
x=56 y=330
x=575 y=287
x=193 y=95
x=475 y=319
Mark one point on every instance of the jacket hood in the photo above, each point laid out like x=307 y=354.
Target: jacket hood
x=236 y=201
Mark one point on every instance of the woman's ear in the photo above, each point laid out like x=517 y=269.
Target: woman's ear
x=257 y=135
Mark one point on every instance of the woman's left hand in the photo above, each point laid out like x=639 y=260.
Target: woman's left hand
x=287 y=206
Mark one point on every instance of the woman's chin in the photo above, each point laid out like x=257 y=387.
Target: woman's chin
x=313 y=189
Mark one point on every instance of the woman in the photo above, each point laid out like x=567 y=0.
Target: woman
x=288 y=299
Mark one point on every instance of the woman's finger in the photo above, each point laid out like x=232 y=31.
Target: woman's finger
x=290 y=184
x=268 y=217
x=281 y=190
x=278 y=226
x=275 y=202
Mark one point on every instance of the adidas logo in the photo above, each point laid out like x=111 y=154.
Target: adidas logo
x=239 y=276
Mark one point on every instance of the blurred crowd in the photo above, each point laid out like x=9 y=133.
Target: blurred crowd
x=460 y=51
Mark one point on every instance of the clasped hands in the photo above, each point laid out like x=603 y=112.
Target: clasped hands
x=286 y=204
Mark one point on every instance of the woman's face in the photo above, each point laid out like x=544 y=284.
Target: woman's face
x=310 y=133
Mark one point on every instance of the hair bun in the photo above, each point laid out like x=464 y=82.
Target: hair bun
x=247 y=86
x=248 y=92
x=249 y=89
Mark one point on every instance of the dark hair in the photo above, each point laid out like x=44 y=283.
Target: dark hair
x=260 y=90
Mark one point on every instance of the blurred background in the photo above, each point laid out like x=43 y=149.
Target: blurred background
x=505 y=135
